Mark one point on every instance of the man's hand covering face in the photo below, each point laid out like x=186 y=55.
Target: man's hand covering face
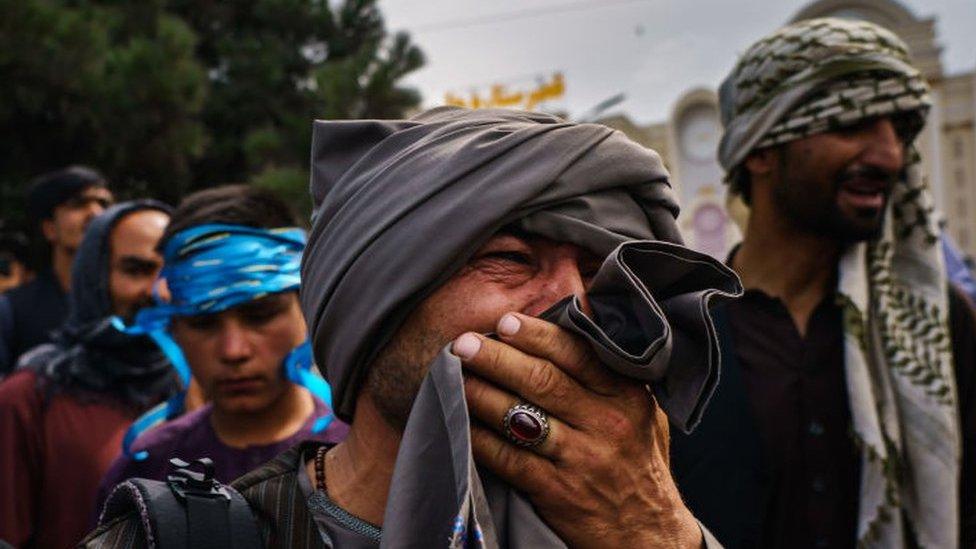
x=401 y=205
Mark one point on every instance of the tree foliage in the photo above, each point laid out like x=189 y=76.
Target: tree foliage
x=166 y=96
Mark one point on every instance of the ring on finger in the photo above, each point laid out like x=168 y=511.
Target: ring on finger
x=526 y=425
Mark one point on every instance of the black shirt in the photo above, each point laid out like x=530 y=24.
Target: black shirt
x=797 y=394
x=28 y=315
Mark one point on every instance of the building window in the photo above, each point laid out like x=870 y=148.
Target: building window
x=958 y=148
x=962 y=209
x=960 y=176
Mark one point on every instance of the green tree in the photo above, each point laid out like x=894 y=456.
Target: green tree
x=166 y=96
x=276 y=65
x=116 y=86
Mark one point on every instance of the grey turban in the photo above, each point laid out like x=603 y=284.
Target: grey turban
x=400 y=206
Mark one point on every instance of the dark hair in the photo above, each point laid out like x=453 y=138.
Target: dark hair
x=740 y=183
x=231 y=204
x=52 y=189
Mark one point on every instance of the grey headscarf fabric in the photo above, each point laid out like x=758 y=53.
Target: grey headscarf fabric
x=821 y=75
x=400 y=206
x=88 y=357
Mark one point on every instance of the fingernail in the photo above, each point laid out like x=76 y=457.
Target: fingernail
x=466 y=346
x=509 y=325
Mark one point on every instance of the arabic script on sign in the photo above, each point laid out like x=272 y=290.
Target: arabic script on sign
x=500 y=96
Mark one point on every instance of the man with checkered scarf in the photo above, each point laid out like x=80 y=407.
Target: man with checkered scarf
x=846 y=412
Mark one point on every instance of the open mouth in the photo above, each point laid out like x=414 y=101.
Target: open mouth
x=864 y=193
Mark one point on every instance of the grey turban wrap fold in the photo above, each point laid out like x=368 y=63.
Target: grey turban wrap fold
x=400 y=206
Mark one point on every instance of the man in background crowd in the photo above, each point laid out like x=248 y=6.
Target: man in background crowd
x=848 y=389
x=64 y=411
x=62 y=203
x=236 y=349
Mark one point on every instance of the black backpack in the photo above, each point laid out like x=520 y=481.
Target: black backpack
x=189 y=509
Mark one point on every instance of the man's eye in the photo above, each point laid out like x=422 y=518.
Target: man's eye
x=260 y=316
x=201 y=322
x=853 y=129
x=139 y=270
x=514 y=257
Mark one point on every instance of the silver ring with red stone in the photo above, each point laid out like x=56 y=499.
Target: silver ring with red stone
x=526 y=425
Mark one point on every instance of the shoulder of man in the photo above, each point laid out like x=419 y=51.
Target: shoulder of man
x=25 y=294
x=19 y=395
x=161 y=443
x=172 y=435
x=267 y=489
x=124 y=532
x=273 y=489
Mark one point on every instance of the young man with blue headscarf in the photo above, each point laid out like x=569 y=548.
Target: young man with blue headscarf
x=64 y=411
x=230 y=317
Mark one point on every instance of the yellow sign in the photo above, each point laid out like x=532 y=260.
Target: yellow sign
x=500 y=96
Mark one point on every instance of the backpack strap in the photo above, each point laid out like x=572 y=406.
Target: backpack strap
x=190 y=509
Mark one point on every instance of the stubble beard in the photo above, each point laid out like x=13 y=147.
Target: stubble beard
x=813 y=210
x=395 y=376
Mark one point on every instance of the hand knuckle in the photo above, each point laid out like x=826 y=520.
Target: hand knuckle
x=555 y=447
x=508 y=459
x=551 y=337
x=492 y=352
x=542 y=379
x=475 y=390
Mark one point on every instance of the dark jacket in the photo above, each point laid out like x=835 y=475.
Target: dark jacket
x=28 y=315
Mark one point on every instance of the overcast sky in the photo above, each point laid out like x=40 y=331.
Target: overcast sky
x=651 y=50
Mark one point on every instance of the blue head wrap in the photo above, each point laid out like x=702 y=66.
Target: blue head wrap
x=211 y=268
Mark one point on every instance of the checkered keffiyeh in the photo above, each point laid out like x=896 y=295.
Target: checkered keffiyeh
x=821 y=75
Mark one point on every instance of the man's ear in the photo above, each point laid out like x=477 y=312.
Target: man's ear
x=762 y=162
x=49 y=230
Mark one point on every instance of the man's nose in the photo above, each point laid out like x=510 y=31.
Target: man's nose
x=565 y=279
x=146 y=291
x=885 y=149
x=233 y=345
